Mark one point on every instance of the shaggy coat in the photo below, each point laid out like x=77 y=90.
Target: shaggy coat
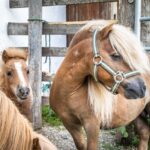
x=16 y=132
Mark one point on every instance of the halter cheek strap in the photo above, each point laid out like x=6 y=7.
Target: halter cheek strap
x=118 y=76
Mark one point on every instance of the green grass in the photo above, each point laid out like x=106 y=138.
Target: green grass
x=50 y=117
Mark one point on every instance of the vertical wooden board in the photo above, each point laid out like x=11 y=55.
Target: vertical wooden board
x=145 y=26
x=81 y=12
x=35 y=61
x=126 y=13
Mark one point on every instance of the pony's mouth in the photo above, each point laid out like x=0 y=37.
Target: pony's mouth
x=20 y=98
x=23 y=93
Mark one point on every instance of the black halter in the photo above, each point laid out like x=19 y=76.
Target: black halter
x=118 y=76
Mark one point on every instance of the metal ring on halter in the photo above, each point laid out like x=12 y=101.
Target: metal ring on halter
x=119 y=77
x=97 y=62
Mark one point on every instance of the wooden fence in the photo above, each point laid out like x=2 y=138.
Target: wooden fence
x=36 y=27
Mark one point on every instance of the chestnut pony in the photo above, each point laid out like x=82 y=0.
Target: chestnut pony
x=101 y=82
x=15 y=130
x=14 y=79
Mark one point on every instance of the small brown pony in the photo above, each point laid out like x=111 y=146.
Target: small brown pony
x=104 y=71
x=15 y=130
x=14 y=79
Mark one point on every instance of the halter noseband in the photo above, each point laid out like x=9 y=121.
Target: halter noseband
x=118 y=76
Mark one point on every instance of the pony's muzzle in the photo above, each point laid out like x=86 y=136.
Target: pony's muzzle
x=135 y=89
x=23 y=92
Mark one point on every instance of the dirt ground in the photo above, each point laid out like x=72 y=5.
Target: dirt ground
x=63 y=140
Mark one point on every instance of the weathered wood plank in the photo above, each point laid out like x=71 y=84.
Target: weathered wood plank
x=17 y=29
x=145 y=26
x=78 y=12
x=45 y=100
x=48 y=28
x=62 y=28
x=24 y=3
x=35 y=60
x=47 y=77
x=126 y=13
x=52 y=51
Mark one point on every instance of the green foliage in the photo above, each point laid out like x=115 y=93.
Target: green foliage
x=123 y=131
x=135 y=140
x=50 y=117
x=129 y=137
x=113 y=131
x=108 y=147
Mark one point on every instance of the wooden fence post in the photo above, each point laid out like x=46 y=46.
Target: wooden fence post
x=145 y=26
x=35 y=60
x=126 y=13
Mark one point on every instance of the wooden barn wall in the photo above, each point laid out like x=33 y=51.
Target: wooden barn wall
x=126 y=13
x=81 y=12
x=145 y=32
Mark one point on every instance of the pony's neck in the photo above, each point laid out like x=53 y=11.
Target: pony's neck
x=77 y=64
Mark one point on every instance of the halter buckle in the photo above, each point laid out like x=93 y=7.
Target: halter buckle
x=97 y=60
x=119 y=77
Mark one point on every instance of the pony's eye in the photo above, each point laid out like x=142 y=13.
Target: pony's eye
x=115 y=56
x=28 y=71
x=9 y=73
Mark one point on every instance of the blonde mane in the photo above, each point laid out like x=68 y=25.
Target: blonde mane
x=131 y=49
x=101 y=100
x=125 y=43
x=16 y=132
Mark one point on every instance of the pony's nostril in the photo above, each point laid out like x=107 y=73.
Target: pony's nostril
x=23 y=92
x=27 y=91
x=135 y=89
x=144 y=88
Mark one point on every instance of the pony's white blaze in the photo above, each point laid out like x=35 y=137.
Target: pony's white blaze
x=19 y=71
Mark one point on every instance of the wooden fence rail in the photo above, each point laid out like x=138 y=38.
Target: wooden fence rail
x=52 y=51
x=24 y=3
x=47 y=77
x=48 y=28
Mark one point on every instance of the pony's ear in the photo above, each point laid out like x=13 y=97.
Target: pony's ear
x=106 y=30
x=36 y=144
x=5 y=56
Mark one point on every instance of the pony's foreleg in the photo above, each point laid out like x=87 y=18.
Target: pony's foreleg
x=77 y=134
x=144 y=133
x=92 y=127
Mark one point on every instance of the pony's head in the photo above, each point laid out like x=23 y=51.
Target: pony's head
x=16 y=72
x=118 y=58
